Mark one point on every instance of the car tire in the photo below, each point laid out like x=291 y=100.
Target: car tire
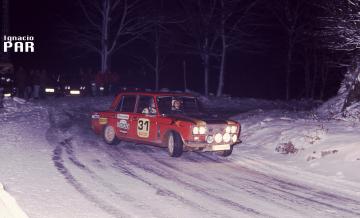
x=174 y=144
x=226 y=153
x=109 y=135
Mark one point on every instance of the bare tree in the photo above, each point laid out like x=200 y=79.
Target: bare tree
x=341 y=31
x=110 y=25
x=200 y=27
x=154 y=38
x=290 y=14
x=158 y=39
x=341 y=24
x=234 y=25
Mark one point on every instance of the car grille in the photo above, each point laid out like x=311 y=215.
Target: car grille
x=216 y=128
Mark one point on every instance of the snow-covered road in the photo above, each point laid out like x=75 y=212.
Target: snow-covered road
x=59 y=168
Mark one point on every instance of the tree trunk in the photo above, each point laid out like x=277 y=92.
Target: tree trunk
x=206 y=74
x=223 y=55
x=5 y=28
x=314 y=78
x=105 y=55
x=157 y=58
x=222 y=70
x=354 y=92
x=184 y=75
x=324 y=78
x=288 y=70
x=307 y=78
x=157 y=69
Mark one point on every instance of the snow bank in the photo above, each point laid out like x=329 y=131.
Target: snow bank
x=8 y=206
x=332 y=109
x=326 y=147
x=227 y=103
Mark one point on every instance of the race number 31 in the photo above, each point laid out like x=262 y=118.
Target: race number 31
x=143 y=128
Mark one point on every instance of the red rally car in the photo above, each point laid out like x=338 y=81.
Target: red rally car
x=166 y=119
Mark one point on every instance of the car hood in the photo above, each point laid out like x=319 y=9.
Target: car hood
x=199 y=119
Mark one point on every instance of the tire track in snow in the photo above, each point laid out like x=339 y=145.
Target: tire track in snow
x=58 y=161
x=169 y=176
x=247 y=188
x=59 y=164
x=315 y=196
x=127 y=168
x=67 y=144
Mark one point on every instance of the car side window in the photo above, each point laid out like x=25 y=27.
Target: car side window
x=146 y=105
x=127 y=104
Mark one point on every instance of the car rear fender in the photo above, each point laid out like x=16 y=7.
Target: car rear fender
x=98 y=122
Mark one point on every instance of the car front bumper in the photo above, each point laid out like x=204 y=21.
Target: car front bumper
x=203 y=146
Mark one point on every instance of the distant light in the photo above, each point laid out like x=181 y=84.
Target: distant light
x=7 y=95
x=101 y=88
x=50 y=90
x=74 y=92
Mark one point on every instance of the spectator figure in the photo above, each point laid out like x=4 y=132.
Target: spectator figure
x=113 y=82
x=29 y=84
x=92 y=81
x=36 y=84
x=100 y=80
x=85 y=81
x=20 y=78
x=43 y=82
x=1 y=96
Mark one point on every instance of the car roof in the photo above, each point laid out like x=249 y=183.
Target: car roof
x=152 y=93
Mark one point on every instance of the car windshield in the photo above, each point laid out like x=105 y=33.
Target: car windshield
x=177 y=104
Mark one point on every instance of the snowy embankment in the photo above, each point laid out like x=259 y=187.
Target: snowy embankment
x=8 y=206
x=326 y=147
x=322 y=141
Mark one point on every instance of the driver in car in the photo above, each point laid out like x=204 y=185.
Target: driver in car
x=1 y=96
x=176 y=105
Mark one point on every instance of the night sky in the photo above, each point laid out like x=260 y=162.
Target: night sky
x=259 y=75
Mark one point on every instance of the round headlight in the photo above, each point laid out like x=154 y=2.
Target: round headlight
x=202 y=130
x=218 y=138
x=233 y=129
x=210 y=139
x=234 y=138
x=227 y=129
x=195 y=130
x=227 y=137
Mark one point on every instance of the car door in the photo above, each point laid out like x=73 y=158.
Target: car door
x=124 y=115
x=146 y=120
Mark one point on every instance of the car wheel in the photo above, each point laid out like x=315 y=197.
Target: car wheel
x=174 y=144
x=226 y=153
x=110 y=135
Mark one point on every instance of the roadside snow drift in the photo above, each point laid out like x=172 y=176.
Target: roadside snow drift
x=8 y=206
